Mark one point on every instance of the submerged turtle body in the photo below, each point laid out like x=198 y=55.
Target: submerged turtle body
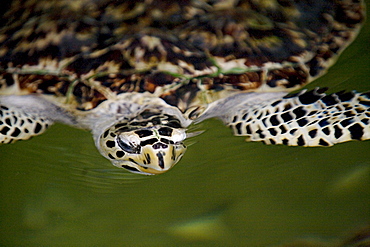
x=138 y=73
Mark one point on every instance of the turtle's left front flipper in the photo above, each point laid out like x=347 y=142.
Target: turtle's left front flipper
x=22 y=117
x=309 y=118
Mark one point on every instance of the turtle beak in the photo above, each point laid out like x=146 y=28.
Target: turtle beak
x=157 y=161
x=153 y=160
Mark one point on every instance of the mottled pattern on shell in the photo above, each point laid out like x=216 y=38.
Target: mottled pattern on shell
x=188 y=53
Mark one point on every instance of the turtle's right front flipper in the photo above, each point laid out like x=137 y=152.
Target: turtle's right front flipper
x=22 y=117
x=16 y=124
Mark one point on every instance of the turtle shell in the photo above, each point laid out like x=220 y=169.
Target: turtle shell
x=185 y=52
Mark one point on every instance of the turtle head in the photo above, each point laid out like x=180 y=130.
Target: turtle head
x=147 y=150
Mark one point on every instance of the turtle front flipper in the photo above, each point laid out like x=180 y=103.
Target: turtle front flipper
x=16 y=124
x=22 y=117
x=309 y=118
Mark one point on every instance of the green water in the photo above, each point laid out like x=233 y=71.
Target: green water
x=56 y=189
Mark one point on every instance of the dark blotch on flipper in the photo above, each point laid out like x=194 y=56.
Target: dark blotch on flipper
x=345 y=96
x=301 y=141
x=283 y=129
x=366 y=94
x=324 y=122
x=326 y=131
x=238 y=128
x=312 y=133
x=8 y=121
x=4 y=130
x=274 y=121
x=302 y=122
x=264 y=121
x=292 y=131
x=309 y=97
x=365 y=103
x=357 y=131
x=260 y=133
x=349 y=113
x=38 y=128
x=337 y=131
x=312 y=113
x=346 y=122
x=248 y=130
x=272 y=131
x=16 y=132
x=276 y=103
x=323 y=143
x=329 y=100
x=286 y=117
x=299 y=112
x=287 y=107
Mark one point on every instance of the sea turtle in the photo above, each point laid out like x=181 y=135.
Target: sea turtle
x=138 y=73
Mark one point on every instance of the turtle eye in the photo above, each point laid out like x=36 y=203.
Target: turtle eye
x=128 y=146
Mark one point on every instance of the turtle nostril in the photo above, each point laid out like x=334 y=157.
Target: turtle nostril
x=159 y=145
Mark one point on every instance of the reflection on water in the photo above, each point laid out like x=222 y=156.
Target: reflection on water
x=56 y=189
